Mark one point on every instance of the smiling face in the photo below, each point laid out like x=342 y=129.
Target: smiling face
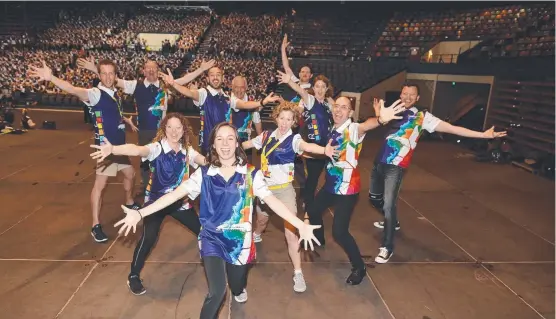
x=107 y=75
x=150 y=71
x=239 y=87
x=342 y=110
x=225 y=143
x=214 y=77
x=320 y=89
x=409 y=96
x=173 y=130
x=305 y=74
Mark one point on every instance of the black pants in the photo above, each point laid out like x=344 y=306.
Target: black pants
x=151 y=228
x=216 y=270
x=314 y=169
x=299 y=172
x=386 y=181
x=343 y=209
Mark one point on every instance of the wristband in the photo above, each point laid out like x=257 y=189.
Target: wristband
x=378 y=121
x=138 y=212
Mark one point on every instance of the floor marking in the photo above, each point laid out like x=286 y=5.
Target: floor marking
x=21 y=220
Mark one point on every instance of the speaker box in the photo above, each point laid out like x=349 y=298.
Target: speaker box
x=49 y=125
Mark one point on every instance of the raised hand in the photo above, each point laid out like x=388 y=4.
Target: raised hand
x=206 y=65
x=376 y=106
x=285 y=42
x=491 y=134
x=386 y=114
x=103 y=152
x=132 y=218
x=168 y=78
x=331 y=151
x=43 y=74
x=306 y=235
x=283 y=77
x=87 y=64
x=271 y=98
x=129 y=121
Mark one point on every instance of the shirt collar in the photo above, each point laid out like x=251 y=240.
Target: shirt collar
x=414 y=110
x=245 y=97
x=288 y=133
x=111 y=92
x=305 y=85
x=147 y=83
x=343 y=126
x=214 y=92
x=213 y=170
x=167 y=148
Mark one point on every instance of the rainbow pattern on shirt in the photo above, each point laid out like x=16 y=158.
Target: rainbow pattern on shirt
x=405 y=132
x=159 y=101
x=335 y=182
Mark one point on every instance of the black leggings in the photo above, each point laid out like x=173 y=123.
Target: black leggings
x=314 y=169
x=216 y=270
x=343 y=209
x=151 y=228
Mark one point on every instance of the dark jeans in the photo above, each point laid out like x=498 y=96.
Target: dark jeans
x=343 y=209
x=386 y=181
x=216 y=270
x=145 y=137
x=151 y=228
x=314 y=169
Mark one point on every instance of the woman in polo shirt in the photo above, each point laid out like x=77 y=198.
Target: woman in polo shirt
x=279 y=149
x=343 y=181
x=169 y=157
x=228 y=187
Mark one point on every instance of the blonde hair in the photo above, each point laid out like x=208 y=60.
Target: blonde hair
x=286 y=106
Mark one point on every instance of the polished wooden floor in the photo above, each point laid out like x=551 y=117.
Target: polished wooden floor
x=477 y=241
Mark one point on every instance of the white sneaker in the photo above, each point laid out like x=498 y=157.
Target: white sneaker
x=242 y=297
x=257 y=238
x=299 y=284
x=381 y=225
x=383 y=255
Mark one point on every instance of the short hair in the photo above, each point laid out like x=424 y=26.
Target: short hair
x=108 y=62
x=287 y=106
x=411 y=84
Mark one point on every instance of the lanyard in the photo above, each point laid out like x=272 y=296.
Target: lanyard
x=264 y=157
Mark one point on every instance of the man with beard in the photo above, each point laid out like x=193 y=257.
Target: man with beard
x=108 y=119
x=215 y=105
x=395 y=155
x=151 y=99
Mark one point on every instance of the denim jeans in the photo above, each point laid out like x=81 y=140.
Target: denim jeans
x=386 y=181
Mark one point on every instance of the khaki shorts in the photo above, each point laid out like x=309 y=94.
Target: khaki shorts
x=112 y=165
x=286 y=195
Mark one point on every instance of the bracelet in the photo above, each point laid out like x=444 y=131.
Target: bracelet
x=378 y=121
x=138 y=212
x=261 y=103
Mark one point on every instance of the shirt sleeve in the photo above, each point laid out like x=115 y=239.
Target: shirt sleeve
x=202 y=97
x=311 y=102
x=260 y=189
x=192 y=154
x=193 y=184
x=233 y=103
x=94 y=96
x=294 y=78
x=154 y=150
x=256 y=117
x=354 y=133
x=258 y=141
x=129 y=86
x=430 y=122
x=296 y=143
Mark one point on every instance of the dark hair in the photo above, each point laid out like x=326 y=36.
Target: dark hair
x=410 y=84
x=108 y=62
x=187 y=132
x=241 y=157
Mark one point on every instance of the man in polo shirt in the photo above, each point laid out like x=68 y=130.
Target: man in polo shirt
x=243 y=120
x=106 y=112
x=395 y=155
x=151 y=98
x=215 y=105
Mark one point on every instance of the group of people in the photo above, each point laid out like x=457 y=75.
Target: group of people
x=227 y=185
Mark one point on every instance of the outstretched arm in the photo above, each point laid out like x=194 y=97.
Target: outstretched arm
x=445 y=127
x=286 y=79
x=249 y=105
x=169 y=79
x=285 y=62
x=205 y=66
x=127 y=149
x=44 y=73
x=328 y=150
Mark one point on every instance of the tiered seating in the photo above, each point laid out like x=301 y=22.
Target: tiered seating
x=413 y=34
x=526 y=110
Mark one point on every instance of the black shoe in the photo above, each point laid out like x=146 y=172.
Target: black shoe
x=135 y=285
x=356 y=276
x=98 y=234
x=133 y=206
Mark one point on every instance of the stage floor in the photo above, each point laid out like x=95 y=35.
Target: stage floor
x=477 y=241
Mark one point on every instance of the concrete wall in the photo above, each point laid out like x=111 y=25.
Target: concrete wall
x=393 y=83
